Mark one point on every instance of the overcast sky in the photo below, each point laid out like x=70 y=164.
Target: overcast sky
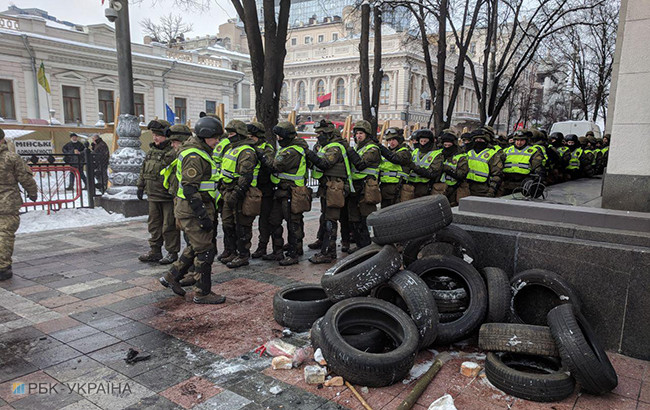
x=92 y=12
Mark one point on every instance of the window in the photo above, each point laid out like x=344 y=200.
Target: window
x=335 y=36
x=307 y=40
x=138 y=104
x=321 y=38
x=294 y=41
x=7 y=109
x=340 y=91
x=472 y=48
x=452 y=48
x=301 y=94
x=210 y=107
x=180 y=105
x=106 y=104
x=71 y=104
x=284 y=95
x=320 y=88
x=384 y=92
x=245 y=96
x=424 y=93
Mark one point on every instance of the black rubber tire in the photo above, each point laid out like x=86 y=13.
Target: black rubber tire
x=364 y=338
x=580 y=351
x=544 y=387
x=297 y=306
x=473 y=316
x=408 y=292
x=417 y=218
x=460 y=243
x=451 y=301
x=360 y=272
x=535 y=292
x=517 y=338
x=449 y=317
x=498 y=287
x=369 y=369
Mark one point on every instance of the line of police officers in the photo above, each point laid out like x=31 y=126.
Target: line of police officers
x=238 y=175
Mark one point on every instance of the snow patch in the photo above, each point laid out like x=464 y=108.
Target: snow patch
x=417 y=371
x=445 y=402
x=40 y=221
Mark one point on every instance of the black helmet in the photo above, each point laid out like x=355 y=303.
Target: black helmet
x=571 y=137
x=423 y=133
x=208 y=127
x=556 y=135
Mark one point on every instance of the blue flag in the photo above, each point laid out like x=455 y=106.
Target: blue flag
x=171 y=117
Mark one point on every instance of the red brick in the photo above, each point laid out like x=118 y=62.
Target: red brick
x=186 y=394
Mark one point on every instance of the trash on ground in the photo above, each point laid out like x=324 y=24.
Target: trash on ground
x=315 y=374
x=445 y=402
x=281 y=363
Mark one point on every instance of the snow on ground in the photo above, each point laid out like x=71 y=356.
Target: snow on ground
x=39 y=221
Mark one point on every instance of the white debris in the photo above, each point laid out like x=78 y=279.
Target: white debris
x=445 y=402
x=275 y=390
x=318 y=355
x=417 y=371
x=514 y=341
x=564 y=297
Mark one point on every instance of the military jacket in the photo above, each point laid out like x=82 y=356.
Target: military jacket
x=14 y=171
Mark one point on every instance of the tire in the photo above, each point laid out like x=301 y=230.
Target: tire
x=298 y=306
x=408 y=292
x=449 y=317
x=364 y=338
x=369 y=369
x=360 y=272
x=498 y=287
x=535 y=292
x=450 y=240
x=405 y=222
x=502 y=370
x=580 y=351
x=473 y=283
x=517 y=338
x=450 y=301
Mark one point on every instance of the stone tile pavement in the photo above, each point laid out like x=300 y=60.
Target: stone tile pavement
x=80 y=300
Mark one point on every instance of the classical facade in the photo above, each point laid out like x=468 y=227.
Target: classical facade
x=81 y=68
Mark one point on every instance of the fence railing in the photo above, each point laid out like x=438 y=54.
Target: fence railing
x=65 y=180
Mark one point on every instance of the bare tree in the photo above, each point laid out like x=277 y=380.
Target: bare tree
x=168 y=29
x=370 y=100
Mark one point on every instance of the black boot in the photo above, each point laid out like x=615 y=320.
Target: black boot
x=328 y=245
x=6 y=273
x=205 y=296
x=260 y=251
x=171 y=280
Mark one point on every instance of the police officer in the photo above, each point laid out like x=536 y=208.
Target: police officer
x=393 y=169
x=597 y=154
x=522 y=161
x=14 y=171
x=195 y=210
x=367 y=148
x=239 y=171
x=485 y=166
x=289 y=171
x=454 y=169
x=578 y=163
x=426 y=163
x=161 y=222
x=333 y=169
x=257 y=133
x=217 y=157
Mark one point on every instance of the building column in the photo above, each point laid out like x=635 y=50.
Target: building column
x=627 y=182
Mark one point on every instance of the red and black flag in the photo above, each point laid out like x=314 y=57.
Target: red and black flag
x=324 y=100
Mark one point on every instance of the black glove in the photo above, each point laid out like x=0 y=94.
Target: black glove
x=314 y=158
x=449 y=171
x=423 y=172
x=386 y=153
x=260 y=155
x=33 y=198
x=140 y=193
x=356 y=160
x=205 y=223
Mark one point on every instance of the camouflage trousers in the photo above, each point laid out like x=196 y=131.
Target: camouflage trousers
x=162 y=226
x=8 y=227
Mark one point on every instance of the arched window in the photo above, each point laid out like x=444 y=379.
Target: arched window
x=284 y=95
x=424 y=90
x=384 y=92
x=359 y=92
x=301 y=94
x=414 y=98
x=340 y=91
x=320 y=88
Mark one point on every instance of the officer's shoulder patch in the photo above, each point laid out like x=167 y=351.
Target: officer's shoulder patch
x=219 y=148
x=191 y=172
x=486 y=155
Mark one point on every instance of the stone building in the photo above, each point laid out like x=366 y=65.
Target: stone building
x=80 y=66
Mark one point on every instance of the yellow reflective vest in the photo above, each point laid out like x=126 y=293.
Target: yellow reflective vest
x=478 y=163
x=423 y=161
x=299 y=177
x=391 y=173
x=518 y=160
x=229 y=165
x=209 y=186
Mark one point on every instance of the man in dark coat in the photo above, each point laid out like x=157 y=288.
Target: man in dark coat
x=74 y=147
x=102 y=154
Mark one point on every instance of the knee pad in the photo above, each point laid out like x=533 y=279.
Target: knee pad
x=206 y=257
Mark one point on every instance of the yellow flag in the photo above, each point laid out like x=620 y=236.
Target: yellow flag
x=42 y=80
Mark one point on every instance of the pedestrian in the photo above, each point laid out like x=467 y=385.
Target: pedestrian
x=239 y=172
x=394 y=167
x=485 y=166
x=334 y=176
x=366 y=195
x=101 y=156
x=256 y=130
x=161 y=222
x=291 y=197
x=73 y=149
x=523 y=160
x=195 y=211
x=14 y=171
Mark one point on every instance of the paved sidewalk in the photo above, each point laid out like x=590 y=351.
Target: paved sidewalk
x=80 y=299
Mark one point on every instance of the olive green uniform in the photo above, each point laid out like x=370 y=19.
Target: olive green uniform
x=161 y=222
x=423 y=176
x=512 y=180
x=14 y=171
x=390 y=190
x=287 y=161
x=267 y=187
x=238 y=229
x=358 y=210
x=489 y=187
x=201 y=249
x=454 y=171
